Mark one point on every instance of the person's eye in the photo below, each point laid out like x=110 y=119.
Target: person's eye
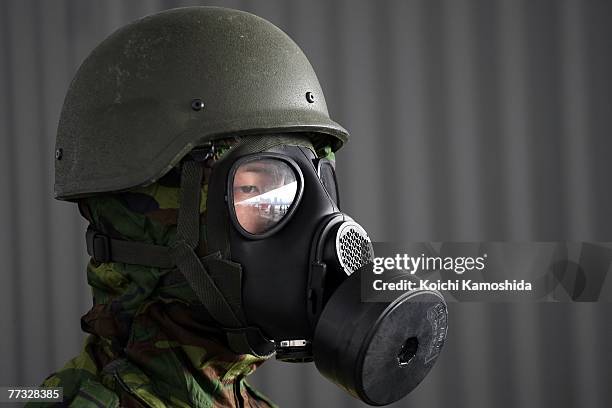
x=248 y=189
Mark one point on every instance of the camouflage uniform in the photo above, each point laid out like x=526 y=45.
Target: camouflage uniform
x=147 y=347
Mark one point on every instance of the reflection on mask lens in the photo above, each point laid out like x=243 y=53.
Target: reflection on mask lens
x=263 y=191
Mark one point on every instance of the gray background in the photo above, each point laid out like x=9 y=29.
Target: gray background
x=470 y=120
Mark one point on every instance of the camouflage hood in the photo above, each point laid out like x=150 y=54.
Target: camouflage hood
x=148 y=343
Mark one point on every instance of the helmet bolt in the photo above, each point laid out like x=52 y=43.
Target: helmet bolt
x=58 y=154
x=197 y=105
x=310 y=97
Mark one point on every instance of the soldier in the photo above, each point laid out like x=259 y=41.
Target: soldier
x=198 y=145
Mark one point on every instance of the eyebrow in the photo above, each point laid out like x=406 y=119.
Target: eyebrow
x=253 y=168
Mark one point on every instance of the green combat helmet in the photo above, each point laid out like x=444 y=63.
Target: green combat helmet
x=156 y=88
x=139 y=103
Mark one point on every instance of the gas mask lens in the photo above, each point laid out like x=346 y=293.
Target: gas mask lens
x=263 y=191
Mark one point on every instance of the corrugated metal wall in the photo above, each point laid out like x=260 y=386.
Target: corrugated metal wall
x=470 y=120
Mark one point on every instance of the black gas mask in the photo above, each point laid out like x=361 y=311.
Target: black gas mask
x=275 y=212
x=283 y=270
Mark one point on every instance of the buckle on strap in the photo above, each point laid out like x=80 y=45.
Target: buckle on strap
x=98 y=246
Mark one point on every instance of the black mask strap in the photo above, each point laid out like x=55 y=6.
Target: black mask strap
x=240 y=338
x=187 y=238
x=219 y=291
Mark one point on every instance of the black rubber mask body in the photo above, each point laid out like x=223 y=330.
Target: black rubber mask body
x=275 y=263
